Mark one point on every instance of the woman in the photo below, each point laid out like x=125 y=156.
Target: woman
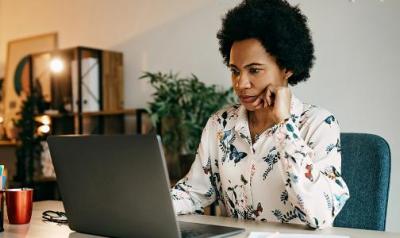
x=273 y=157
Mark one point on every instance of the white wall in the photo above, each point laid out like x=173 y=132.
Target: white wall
x=356 y=48
x=1 y=42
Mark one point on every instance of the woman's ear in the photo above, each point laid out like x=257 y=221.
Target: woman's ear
x=288 y=73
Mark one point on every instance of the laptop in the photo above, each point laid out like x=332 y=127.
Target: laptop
x=118 y=186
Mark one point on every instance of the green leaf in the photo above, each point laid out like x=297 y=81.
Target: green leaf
x=186 y=101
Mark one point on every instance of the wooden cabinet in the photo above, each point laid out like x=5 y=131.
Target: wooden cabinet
x=83 y=92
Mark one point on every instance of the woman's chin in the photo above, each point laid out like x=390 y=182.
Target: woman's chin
x=248 y=107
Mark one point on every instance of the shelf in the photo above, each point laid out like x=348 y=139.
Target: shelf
x=89 y=114
x=99 y=122
x=8 y=143
x=111 y=113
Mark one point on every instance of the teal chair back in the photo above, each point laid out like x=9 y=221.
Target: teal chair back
x=366 y=171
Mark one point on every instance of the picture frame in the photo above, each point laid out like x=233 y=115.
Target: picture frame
x=18 y=68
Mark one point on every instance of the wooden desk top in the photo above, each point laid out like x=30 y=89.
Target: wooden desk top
x=38 y=228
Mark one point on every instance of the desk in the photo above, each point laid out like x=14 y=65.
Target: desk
x=37 y=228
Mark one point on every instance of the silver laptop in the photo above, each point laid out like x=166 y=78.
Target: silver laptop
x=118 y=186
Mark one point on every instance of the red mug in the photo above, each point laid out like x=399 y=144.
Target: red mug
x=19 y=205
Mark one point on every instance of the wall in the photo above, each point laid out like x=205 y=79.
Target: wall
x=356 y=48
x=1 y=42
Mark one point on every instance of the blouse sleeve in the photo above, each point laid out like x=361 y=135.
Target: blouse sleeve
x=311 y=170
x=196 y=191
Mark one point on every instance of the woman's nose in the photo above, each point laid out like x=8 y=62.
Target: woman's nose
x=242 y=82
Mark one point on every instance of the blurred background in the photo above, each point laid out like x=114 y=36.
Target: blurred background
x=98 y=50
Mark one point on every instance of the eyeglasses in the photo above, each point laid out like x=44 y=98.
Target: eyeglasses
x=54 y=216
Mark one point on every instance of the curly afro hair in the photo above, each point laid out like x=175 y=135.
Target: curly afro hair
x=281 y=28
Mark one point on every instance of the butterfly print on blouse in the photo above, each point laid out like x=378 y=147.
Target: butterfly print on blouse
x=235 y=155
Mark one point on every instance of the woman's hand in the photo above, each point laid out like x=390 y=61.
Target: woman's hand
x=275 y=101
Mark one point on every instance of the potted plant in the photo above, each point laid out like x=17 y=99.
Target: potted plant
x=29 y=147
x=182 y=106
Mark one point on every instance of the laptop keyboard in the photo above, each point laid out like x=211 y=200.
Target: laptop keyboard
x=193 y=233
x=189 y=230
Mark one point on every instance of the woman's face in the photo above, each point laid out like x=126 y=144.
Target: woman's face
x=253 y=69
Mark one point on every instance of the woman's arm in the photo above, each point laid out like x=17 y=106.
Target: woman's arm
x=195 y=191
x=312 y=170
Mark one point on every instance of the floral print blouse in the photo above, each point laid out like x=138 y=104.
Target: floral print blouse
x=290 y=174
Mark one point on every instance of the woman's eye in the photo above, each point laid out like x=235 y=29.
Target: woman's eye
x=254 y=70
x=235 y=72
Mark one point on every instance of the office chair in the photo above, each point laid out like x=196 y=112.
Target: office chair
x=366 y=171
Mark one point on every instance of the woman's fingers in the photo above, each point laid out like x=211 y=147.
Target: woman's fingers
x=259 y=106
x=258 y=103
x=266 y=98
x=270 y=95
x=266 y=102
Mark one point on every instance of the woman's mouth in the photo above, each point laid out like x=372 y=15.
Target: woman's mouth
x=247 y=99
